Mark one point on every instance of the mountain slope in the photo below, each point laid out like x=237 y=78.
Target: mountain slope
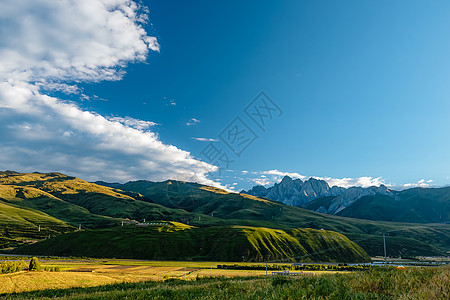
x=19 y=224
x=71 y=199
x=220 y=243
x=27 y=197
x=242 y=209
x=417 y=205
x=96 y=199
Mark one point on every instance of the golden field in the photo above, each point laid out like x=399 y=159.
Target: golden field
x=88 y=273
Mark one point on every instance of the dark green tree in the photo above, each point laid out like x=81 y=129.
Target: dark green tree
x=35 y=265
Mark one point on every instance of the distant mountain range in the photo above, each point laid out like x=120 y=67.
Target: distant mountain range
x=417 y=205
x=34 y=206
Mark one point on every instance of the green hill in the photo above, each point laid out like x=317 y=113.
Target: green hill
x=18 y=225
x=75 y=201
x=84 y=202
x=418 y=205
x=242 y=209
x=32 y=198
x=218 y=243
x=397 y=246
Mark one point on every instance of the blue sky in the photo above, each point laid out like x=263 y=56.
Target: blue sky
x=363 y=86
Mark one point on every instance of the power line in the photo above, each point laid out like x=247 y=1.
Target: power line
x=384 y=241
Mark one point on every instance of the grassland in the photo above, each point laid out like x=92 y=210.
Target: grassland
x=42 y=202
x=94 y=272
x=17 y=225
x=70 y=201
x=416 y=205
x=219 y=243
x=78 y=197
x=380 y=283
x=240 y=209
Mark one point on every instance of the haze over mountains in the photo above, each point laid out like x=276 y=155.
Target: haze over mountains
x=375 y=203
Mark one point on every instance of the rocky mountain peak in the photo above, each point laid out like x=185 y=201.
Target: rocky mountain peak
x=286 y=180
x=317 y=184
x=258 y=191
x=299 y=193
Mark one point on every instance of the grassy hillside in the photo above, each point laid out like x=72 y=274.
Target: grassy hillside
x=376 y=207
x=317 y=203
x=426 y=205
x=417 y=205
x=413 y=205
x=18 y=224
x=396 y=246
x=219 y=243
x=27 y=197
x=81 y=198
x=242 y=209
x=76 y=201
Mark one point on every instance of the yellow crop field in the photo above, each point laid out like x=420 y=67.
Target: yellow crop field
x=87 y=273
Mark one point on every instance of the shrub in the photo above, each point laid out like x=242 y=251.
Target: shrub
x=12 y=266
x=51 y=269
x=35 y=265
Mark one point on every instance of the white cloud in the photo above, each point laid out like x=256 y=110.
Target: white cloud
x=134 y=123
x=281 y=173
x=68 y=89
x=200 y=139
x=365 y=181
x=68 y=40
x=192 y=121
x=262 y=181
x=61 y=43
x=421 y=183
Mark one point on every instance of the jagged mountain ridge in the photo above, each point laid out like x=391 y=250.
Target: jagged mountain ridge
x=300 y=193
x=417 y=205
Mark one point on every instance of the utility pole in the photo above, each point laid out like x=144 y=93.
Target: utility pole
x=385 y=258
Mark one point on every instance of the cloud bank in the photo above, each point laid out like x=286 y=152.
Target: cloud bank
x=53 y=45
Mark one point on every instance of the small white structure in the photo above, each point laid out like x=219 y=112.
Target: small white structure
x=153 y=224
x=287 y=273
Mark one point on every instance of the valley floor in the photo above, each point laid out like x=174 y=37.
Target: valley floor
x=379 y=283
x=95 y=272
